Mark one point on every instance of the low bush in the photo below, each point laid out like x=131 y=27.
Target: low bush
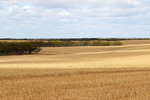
x=57 y=43
x=18 y=48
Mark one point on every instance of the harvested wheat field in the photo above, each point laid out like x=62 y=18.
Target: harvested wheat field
x=78 y=73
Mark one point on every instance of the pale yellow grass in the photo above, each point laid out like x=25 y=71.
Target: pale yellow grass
x=78 y=73
x=128 y=42
x=126 y=56
x=77 y=84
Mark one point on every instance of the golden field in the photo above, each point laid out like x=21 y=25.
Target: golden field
x=79 y=73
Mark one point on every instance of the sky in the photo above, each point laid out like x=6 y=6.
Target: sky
x=74 y=18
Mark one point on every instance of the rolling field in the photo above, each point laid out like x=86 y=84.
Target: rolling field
x=79 y=73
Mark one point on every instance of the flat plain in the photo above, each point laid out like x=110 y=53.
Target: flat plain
x=79 y=73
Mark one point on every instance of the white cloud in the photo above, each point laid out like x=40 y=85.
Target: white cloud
x=17 y=12
x=54 y=3
x=87 y=8
x=72 y=3
x=64 y=13
x=86 y=3
x=114 y=3
x=86 y=15
x=8 y=1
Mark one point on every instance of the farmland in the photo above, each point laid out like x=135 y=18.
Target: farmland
x=78 y=73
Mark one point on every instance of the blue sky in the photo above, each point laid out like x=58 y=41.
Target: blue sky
x=74 y=18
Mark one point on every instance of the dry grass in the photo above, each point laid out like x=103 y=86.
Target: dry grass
x=77 y=84
x=128 y=42
x=78 y=73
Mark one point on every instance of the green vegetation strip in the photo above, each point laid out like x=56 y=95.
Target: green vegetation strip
x=76 y=43
x=18 y=48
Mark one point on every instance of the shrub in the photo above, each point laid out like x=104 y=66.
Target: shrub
x=78 y=43
x=18 y=48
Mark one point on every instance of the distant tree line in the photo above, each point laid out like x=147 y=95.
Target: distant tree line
x=75 y=43
x=79 y=39
x=18 y=48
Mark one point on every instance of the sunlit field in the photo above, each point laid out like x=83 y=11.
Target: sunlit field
x=78 y=73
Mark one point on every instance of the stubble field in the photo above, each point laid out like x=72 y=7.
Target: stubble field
x=78 y=73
